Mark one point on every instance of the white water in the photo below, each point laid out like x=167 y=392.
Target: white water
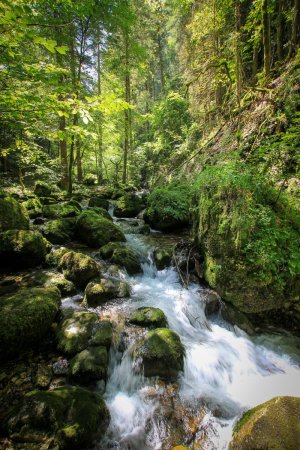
x=225 y=370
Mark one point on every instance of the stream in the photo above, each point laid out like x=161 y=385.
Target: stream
x=225 y=372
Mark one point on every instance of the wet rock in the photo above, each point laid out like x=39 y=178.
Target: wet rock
x=99 y=201
x=89 y=365
x=149 y=317
x=42 y=189
x=59 y=231
x=162 y=258
x=43 y=376
x=13 y=215
x=98 y=292
x=236 y=317
x=26 y=318
x=71 y=416
x=60 y=367
x=78 y=268
x=129 y=205
x=22 y=249
x=96 y=231
x=121 y=256
x=212 y=301
x=60 y=211
x=161 y=354
x=102 y=334
x=272 y=425
x=75 y=330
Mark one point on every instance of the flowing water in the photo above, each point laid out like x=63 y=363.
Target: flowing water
x=225 y=370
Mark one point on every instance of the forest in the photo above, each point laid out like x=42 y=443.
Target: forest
x=149 y=224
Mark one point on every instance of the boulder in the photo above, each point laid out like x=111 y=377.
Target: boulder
x=102 y=334
x=212 y=301
x=78 y=268
x=75 y=330
x=98 y=292
x=60 y=211
x=59 y=231
x=42 y=189
x=22 y=249
x=53 y=258
x=99 y=201
x=44 y=278
x=101 y=212
x=161 y=354
x=33 y=207
x=96 y=231
x=68 y=418
x=129 y=205
x=121 y=256
x=13 y=215
x=162 y=258
x=89 y=365
x=272 y=425
x=236 y=317
x=26 y=318
x=149 y=317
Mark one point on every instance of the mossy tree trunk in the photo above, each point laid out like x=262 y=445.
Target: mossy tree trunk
x=266 y=37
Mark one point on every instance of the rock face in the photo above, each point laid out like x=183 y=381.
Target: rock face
x=121 y=256
x=89 y=365
x=96 y=231
x=272 y=425
x=75 y=330
x=129 y=205
x=98 y=292
x=161 y=353
x=68 y=418
x=13 y=216
x=25 y=318
x=149 y=317
x=59 y=231
x=78 y=268
x=22 y=248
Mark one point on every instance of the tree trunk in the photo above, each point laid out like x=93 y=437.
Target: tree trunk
x=279 y=32
x=238 y=74
x=127 y=112
x=294 y=43
x=100 y=121
x=63 y=150
x=266 y=38
x=161 y=62
x=78 y=162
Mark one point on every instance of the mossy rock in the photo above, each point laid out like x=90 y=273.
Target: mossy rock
x=96 y=231
x=60 y=211
x=42 y=189
x=26 y=318
x=53 y=258
x=129 y=205
x=22 y=249
x=102 y=334
x=273 y=425
x=71 y=417
x=78 y=268
x=13 y=215
x=75 y=330
x=121 y=256
x=149 y=317
x=59 y=231
x=102 y=212
x=33 y=207
x=75 y=203
x=107 y=251
x=162 y=258
x=89 y=365
x=98 y=292
x=99 y=201
x=44 y=278
x=161 y=353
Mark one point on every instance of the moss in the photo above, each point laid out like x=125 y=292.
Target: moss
x=107 y=250
x=102 y=334
x=256 y=428
x=50 y=279
x=33 y=207
x=98 y=292
x=149 y=317
x=60 y=210
x=42 y=189
x=101 y=212
x=53 y=258
x=129 y=205
x=22 y=248
x=124 y=257
x=95 y=231
x=75 y=330
x=72 y=416
x=59 y=231
x=78 y=268
x=25 y=318
x=89 y=365
x=13 y=215
x=99 y=202
x=162 y=353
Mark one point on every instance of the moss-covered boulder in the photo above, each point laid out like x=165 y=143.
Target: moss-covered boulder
x=75 y=330
x=99 y=201
x=67 y=418
x=102 y=334
x=161 y=354
x=250 y=236
x=26 y=318
x=59 y=231
x=102 y=212
x=42 y=189
x=162 y=258
x=22 y=249
x=96 y=231
x=104 y=289
x=121 y=256
x=272 y=425
x=168 y=208
x=89 y=365
x=60 y=211
x=78 y=268
x=13 y=215
x=33 y=207
x=47 y=278
x=129 y=205
x=149 y=317
x=54 y=256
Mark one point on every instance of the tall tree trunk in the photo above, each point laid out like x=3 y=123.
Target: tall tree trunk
x=78 y=162
x=100 y=121
x=238 y=74
x=266 y=37
x=161 y=62
x=127 y=112
x=295 y=35
x=279 y=31
x=63 y=150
